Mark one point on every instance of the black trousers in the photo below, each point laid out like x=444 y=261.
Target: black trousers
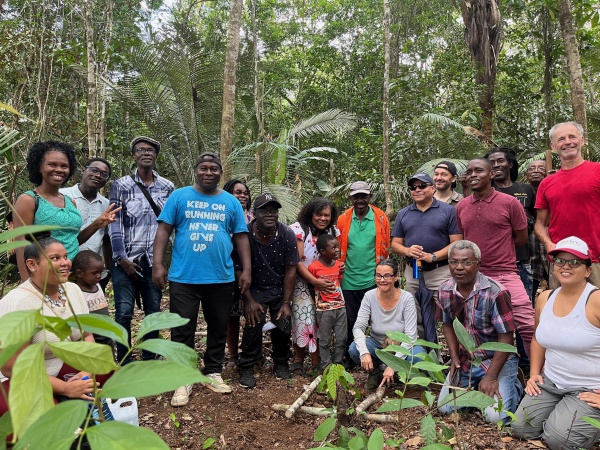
x=252 y=339
x=216 y=300
x=353 y=300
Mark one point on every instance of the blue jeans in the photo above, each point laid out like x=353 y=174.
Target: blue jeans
x=508 y=384
x=125 y=292
x=526 y=277
x=373 y=344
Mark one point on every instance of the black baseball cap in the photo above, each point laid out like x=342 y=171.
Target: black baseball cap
x=266 y=199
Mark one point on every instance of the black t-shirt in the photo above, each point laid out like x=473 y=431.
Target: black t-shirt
x=526 y=196
x=269 y=263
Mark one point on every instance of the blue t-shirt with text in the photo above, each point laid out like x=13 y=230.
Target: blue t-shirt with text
x=203 y=226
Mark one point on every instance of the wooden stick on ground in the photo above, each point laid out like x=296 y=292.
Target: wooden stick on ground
x=370 y=400
x=381 y=418
x=304 y=409
x=300 y=400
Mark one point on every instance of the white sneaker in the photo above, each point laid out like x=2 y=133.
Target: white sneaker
x=218 y=385
x=181 y=396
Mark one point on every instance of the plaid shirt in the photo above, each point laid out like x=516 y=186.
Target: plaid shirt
x=132 y=235
x=540 y=266
x=486 y=313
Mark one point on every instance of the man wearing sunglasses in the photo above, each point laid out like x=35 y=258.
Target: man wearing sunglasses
x=142 y=195
x=91 y=205
x=423 y=232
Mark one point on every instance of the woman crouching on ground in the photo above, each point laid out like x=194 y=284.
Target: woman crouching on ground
x=48 y=266
x=385 y=308
x=566 y=345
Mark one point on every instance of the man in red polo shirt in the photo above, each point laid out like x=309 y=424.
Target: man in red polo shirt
x=496 y=222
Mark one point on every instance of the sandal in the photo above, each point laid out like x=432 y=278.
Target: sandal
x=297 y=367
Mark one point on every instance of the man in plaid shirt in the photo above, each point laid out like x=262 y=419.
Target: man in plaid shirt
x=483 y=306
x=132 y=237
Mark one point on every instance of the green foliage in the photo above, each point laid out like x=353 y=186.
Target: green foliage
x=595 y=423
x=85 y=356
x=159 y=321
x=119 y=435
x=17 y=327
x=171 y=351
x=36 y=422
x=102 y=325
x=56 y=428
x=145 y=378
x=30 y=394
x=325 y=428
x=463 y=336
x=332 y=374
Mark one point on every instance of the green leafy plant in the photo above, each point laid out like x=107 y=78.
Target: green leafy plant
x=35 y=421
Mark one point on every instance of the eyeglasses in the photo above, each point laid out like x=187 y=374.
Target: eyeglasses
x=143 y=150
x=536 y=169
x=267 y=211
x=422 y=186
x=240 y=192
x=104 y=175
x=573 y=263
x=456 y=263
x=385 y=276
x=204 y=169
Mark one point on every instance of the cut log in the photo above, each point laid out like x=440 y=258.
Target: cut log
x=304 y=409
x=381 y=418
x=300 y=400
x=370 y=400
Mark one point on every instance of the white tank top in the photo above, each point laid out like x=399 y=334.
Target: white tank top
x=572 y=345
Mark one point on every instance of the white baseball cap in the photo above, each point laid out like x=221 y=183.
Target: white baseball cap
x=574 y=246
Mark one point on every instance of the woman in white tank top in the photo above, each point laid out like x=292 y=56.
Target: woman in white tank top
x=564 y=383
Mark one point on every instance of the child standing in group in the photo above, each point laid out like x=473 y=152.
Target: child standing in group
x=331 y=308
x=87 y=267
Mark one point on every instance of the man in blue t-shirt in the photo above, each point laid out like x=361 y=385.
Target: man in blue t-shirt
x=207 y=222
x=424 y=231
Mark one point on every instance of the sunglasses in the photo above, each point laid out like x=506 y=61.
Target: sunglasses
x=573 y=263
x=421 y=186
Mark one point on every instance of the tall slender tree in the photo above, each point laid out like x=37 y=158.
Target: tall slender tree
x=229 y=79
x=567 y=26
x=483 y=29
x=389 y=203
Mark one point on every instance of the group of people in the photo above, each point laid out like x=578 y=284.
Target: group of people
x=327 y=279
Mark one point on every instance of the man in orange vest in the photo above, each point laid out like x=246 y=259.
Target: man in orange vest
x=364 y=241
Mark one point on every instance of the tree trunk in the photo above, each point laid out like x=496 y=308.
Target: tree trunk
x=483 y=28
x=231 y=57
x=548 y=46
x=92 y=88
x=389 y=204
x=567 y=26
x=257 y=92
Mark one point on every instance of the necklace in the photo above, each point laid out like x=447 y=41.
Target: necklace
x=264 y=236
x=62 y=298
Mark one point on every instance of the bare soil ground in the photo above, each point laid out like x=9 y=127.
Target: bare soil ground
x=244 y=419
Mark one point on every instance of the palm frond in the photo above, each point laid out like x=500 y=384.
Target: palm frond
x=439 y=119
x=329 y=122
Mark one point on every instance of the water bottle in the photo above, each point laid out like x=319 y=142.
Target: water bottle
x=415 y=266
x=105 y=409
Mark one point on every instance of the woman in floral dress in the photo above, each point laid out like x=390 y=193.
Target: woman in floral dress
x=317 y=217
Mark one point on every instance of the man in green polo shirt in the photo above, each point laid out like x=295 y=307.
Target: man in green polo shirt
x=364 y=241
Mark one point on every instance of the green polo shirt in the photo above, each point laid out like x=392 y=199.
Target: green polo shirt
x=360 y=256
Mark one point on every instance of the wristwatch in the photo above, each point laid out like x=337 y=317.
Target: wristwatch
x=433 y=258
